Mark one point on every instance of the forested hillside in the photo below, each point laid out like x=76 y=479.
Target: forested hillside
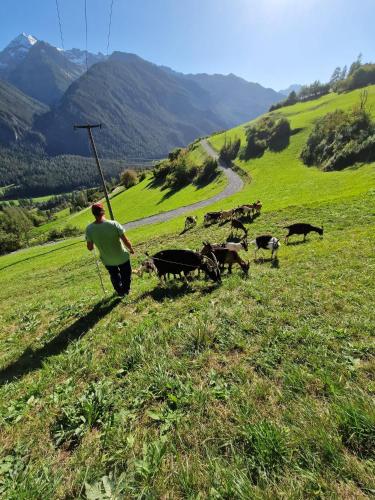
x=17 y=113
x=146 y=110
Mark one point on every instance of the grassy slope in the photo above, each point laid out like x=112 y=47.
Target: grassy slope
x=281 y=179
x=144 y=199
x=260 y=388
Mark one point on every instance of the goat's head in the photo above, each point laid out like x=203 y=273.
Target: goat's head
x=147 y=266
x=210 y=266
x=245 y=244
x=207 y=247
x=245 y=266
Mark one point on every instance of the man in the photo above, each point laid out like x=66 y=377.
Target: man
x=113 y=245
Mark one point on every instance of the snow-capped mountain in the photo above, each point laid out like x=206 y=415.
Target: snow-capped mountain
x=22 y=41
x=18 y=48
x=41 y=70
x=78 y=57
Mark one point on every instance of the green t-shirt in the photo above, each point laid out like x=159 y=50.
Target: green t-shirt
x=106 y=236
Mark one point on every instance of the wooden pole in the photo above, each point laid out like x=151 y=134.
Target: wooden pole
x=89 y=127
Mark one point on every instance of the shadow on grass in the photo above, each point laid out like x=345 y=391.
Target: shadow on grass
x=296 y=130
x=275 y=263
x=175 y=290
x=295 y=243
x=40 y=255
x=32 y=360
x=199 y=183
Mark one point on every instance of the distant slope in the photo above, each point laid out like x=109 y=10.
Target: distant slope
x=281 y=179
x=235 y=99
x=17 y=112
x=295 y=86
x=44 y=73
x=145 y=199
x=145 y=111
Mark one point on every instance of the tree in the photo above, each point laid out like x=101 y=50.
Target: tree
x=16 y=223
x=343 y=72
x=355 y=65
x=336 y=75
x=129 y=178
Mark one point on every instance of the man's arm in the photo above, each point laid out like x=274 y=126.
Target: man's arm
x=90 y=245
x=127 y=243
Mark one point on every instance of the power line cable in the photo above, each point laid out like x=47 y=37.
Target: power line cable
x=87 y=66
x=109 y=26
x=59 y=19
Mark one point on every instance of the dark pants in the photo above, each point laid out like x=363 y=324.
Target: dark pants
x=121 y=277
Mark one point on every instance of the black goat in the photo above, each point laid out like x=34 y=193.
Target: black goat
x=302 y=228
x=266 y=242
x=190 y=222
x=185 y=261
x=237 y=224
x=211 y=217
x=225 y=256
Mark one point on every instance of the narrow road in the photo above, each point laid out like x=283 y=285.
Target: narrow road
x=235 y=184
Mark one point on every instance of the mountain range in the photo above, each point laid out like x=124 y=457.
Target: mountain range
x=296 y=87
x=145 y=109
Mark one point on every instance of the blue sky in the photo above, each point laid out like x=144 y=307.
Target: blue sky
x=273 y=42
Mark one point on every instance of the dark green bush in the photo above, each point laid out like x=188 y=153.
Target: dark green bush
x=161 y=171
x=268 y=132
x=64 y=232
x=142 y=176
x=209 y=171
x=230 y=150
x=340 y=139
x=361 y=77
x=181 y=174
x=129 y=178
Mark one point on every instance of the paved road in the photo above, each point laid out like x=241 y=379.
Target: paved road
x=234 y=185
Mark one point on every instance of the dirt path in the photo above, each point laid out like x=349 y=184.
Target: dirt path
x=234 y=185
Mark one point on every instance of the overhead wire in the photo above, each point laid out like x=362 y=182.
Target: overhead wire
x=87 y=66
x=109 y=26
x=60 y=25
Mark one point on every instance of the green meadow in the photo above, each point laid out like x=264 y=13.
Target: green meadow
x=144 y=199
x=261 y=387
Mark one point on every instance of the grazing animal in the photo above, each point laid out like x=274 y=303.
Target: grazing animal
x=302 y=228
x=248 y=210
x=148 y=267
x=257 y=206
x=211 y=217
x=226 y=215
x=238 y=212
x=266 y=242
x=225 y=256
x=237 y=224
x=185 y=261
x=190 y=222
x=243 y=211
x=236 y=245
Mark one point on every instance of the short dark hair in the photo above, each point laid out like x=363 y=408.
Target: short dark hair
x=97 y=209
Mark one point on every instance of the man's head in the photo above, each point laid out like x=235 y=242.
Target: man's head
x=97 y=210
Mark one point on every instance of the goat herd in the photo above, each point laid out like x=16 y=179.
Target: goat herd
x=213 y=258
